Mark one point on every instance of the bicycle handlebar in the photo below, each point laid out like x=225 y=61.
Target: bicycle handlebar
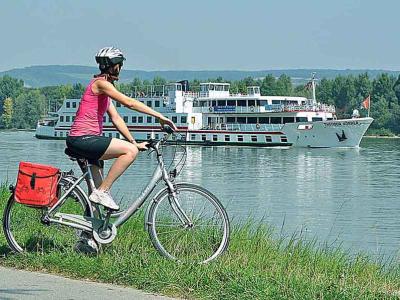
x=152 y=143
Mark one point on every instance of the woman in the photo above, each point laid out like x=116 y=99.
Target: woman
x=85 y=136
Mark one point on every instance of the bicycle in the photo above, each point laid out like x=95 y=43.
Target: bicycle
x=185 y=222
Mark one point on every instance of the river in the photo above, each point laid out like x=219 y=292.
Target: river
x=344 y=197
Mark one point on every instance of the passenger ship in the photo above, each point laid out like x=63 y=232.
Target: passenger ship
x=214 y=116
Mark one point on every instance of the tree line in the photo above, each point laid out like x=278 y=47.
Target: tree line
x=21 y=107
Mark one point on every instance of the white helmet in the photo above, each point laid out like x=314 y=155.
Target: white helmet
x=109 y=56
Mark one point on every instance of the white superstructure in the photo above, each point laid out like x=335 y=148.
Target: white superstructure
x=214 y=116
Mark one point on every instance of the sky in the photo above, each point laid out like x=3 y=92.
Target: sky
x=203 y=34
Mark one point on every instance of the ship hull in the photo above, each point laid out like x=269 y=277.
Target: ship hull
x=346 y=133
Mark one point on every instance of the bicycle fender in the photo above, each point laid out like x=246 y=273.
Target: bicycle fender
x=146 y=217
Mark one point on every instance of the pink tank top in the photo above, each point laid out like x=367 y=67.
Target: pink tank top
x=89 y=117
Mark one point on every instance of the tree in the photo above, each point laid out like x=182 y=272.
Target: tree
x=268 y=85
x=396 y=89
x=7 y=115
x=283 y=86
x=29 y=107
x=9 y=87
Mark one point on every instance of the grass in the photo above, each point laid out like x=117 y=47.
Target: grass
x=256 y=266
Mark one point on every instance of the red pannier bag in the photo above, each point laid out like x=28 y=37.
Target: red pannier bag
x=36 y=185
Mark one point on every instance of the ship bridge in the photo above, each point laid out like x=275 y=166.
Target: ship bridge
x=214 y=90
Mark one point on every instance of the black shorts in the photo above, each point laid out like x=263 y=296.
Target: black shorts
x=89 y=146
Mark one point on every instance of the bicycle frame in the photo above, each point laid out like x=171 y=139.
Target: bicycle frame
x=160 y=173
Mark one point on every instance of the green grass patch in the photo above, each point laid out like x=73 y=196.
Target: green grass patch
x=256 y=266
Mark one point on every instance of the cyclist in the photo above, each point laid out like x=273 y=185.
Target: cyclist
x=85 y=137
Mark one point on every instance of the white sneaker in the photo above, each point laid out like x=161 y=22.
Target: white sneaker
x=103 y=198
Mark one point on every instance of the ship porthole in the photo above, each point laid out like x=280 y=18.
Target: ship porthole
x=210 y=109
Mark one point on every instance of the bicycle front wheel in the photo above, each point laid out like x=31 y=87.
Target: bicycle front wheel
x=24 y=230
x=200 y=240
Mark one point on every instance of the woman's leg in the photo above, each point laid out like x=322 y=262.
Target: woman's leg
x=97 y=174
x=125 y=153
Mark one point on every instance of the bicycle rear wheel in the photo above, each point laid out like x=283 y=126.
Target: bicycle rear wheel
x=200 y=241
x=24 y=230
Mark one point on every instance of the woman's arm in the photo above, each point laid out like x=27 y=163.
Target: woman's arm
x=119 y=123
x=105 y=87
x=122 y=128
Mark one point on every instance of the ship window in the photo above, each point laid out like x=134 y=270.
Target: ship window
x=227 y=138
x=268 y=138
x=241 y=103
x=288 y=120
x=240 y=138
x=221 y=102
x=215 y=138
x=117 y=104
x=203 y=137
x=73 y=118
x=149 y=103
x=241 y=120
x=61 y=118
x=104 y=119
x=193 y=137
x=316 y=119
x=148 y=136
x=73 y=104
x=140 y=119
x=231 y=103
x=276 y=101
x=174 y=119
x=157 y=136
x=329 y=119
x=67 y=119
x=252 y=102
x=149 y=119
x=301 y=119
x=61 y=133
x=254 y=138
x=251 y=120
x=55 y=133
x=125 y=119
x=68 y=104
x=276 y=120
x=118 y=135
x=183 y=119
x=213 y=103
x=134 y=119
x=157 y=103
x=230 y=120
x=109 y=134
x=283 y=139
x=263 y=120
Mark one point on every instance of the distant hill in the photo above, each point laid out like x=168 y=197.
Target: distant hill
x=39 y=76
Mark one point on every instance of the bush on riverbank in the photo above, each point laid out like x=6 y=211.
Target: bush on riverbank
x=256 y=266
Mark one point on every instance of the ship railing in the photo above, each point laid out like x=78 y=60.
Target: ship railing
x=229 y=109
x=244 y=127
x=317 y=107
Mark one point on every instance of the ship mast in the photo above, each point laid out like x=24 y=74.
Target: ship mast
x=313 y=87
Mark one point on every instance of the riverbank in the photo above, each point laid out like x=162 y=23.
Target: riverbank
x=256 y=266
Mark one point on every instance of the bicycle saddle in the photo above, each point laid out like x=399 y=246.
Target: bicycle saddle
x=73 y=154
